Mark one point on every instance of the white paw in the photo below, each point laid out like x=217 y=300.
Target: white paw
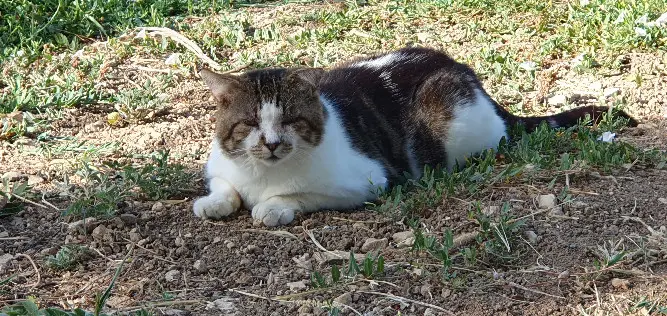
x=215 y=206
x=273 y=213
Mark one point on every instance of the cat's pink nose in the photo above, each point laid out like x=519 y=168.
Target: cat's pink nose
x=272 y=146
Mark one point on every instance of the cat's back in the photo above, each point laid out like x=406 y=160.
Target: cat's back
x=393 y=73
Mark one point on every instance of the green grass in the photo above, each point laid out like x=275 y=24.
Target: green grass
x=545 y=153
x=104 y=190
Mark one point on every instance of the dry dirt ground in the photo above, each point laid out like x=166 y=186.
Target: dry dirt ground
x=181 y=265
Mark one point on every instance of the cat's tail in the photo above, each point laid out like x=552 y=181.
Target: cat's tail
x=571 y=117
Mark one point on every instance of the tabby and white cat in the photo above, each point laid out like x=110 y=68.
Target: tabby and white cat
x=301 y=140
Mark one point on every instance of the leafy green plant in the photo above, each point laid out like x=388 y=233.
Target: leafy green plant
x=69 y=256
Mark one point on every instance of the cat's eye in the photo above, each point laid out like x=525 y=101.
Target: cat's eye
x=250 y=123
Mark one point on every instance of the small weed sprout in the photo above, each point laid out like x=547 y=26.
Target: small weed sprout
x=69 y=257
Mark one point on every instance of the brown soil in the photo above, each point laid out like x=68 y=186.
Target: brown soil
x=199 y=267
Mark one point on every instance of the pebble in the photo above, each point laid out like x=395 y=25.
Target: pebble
x=252 y=248
x=296 y=286
x=129 y=219
x=558 y=99
x=344 y=298
x=429 y=312
x=13 y=176
x=425 y=290
x=175 y=312
x=610 y=92
x=82 y=226
x=100 y=232
x=372 y=244
x=157 y=207
x=181 y=250
x=491 y=210
x=172 y=275
x=578 y=205
x=404 y=239
x=230 y=245
x=4 y=261
x=135 y=236
x=199 y=266
x=662 y=200
x=557 y=211
x=620 y=283
x=179 y=241
x=34 y=179
x=546 y=201
x=532 y=236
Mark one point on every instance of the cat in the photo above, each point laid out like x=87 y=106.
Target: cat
x=304 y=139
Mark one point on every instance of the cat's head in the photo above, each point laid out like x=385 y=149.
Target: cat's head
x=267 y=116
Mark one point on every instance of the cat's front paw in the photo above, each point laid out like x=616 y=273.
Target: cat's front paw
x=216 y=206
x=274 y=212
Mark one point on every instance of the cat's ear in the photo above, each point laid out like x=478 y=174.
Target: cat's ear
x=310 y=75
x=221 y=86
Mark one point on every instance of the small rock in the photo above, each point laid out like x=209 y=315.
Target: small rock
x=401 y=236
x=230 y=245
x=224 y=304
x=34 y=179
x=532 y=236
x=372 y=244
x=425 y=290
x=564 y=275
x=199 y=266
x=335 y=257
x=157 y=207
x=135 y=236
x=179 y=241
x=622 y=284
x=172 y=275
x=429 y=312
x=49 y=251
x=546 y=201
x=610 y=92
x=175 y=312
x=4 y=261
x=305 y=309
x=344 y=299
x=577 y=205
x=662 y=200
x=182 y=250
x=446 y=293
x=557 y=211
x=17 y=221
x=129 y=219
x=82 y=226
x=217 y=240
x=296 y=286
x=558 y=99
x=100 y=232
x=303 y=262
x=252 y=249
x=491 y=210
x=12 y=176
